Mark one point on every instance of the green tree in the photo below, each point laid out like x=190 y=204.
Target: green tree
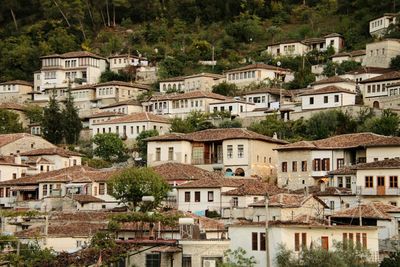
x=330 y=69
x=9 y=122
x=395 y=63
x=52 y=123
x=195 y=121
x=34 y=113
x=131 y=184
x=226 y=89
x=171 y=67
x=109 y=147
x=230 y=124
x=386 y=124
x=108 y=76
x=71 y=122
x=393 y=260
x=141 y=142
x=237 y=258
x=302 y=79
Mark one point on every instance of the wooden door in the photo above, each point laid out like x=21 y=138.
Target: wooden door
x=380 y=190
x=325 y=242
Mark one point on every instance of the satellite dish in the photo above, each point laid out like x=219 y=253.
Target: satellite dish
x=278 y=63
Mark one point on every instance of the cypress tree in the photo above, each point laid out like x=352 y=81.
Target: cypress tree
x=52 y=127
x=72 y=123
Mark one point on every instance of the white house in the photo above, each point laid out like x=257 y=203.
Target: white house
x=130 y=126
x=357 y=56
x=380 y=53
x=335 y=81
x=235 y=106
x=80 y=67
x=16 y=91
x=201 y=81
x=287 y=48
x=11 y=168
x=123 y=61
x=258 y=73
x=115 y=91
x=327 y=97
x=251 y=237
x=267 y=98
x=103 y=116
x=379 y=26
x=16 y=143
x=125 y=107
x=306 y=163
x=180 y=105
x=235 y=150
x=364 y=73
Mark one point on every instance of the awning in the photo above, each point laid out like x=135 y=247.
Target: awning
x=167 y=249
x=25 y=188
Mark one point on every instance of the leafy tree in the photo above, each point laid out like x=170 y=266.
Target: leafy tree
x=395 y=63
x=230 y=124
x=246 y=28
x=108 y=76
x=109 y=147
x=392 y=261
x=347 y=66
x=71 y=122
x=386 y=124
x=141 y=143
x=237 y=258
x=302 y=79
x=195 y=121
x=34 y=113
x=226 y=89
x=330 y=69
x=269 y=126
x=52 y=123
x=9 y=122
x=131 y=184
x=170 y=67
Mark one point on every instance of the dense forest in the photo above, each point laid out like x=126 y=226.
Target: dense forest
x=174 y=33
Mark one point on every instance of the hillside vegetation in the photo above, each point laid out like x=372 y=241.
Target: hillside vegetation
x=175 y=33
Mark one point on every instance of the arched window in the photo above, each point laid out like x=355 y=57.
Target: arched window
x=239 y=172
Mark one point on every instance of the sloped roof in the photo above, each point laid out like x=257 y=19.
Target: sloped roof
x=6 y=139
x=177 y=171
x=82 y=229
x=258 y=66
x=393 y=75
x=329 y=191
x=188 y=95
x=203 y=74
x=131 y=102
x=106 y=114
x=345 y=141
x=19 y=82
x=349 y=170
x=254 y=188
x=83 y=199
x=217 y=135
x=369 y=70
x=218 y=182
x=287 y=200
x=126 y=84
x=51 y=151
x=333 y=79
x=381 y=164
x=273 y=91
x=74 y=54
x=136 y=117
x=327 y=90
x=372 y=210
x=13 y=106
x=10 y=161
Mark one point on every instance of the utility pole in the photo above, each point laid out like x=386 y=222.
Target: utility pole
x=266 y=230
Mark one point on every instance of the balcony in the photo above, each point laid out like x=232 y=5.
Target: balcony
x=374 y=191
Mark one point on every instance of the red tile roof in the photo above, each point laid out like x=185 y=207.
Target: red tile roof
x=6 y=139
x=10 y=161
x=287 y=200
x=51 y=151
x=19 y=82
x=81 y=229
x=83 y=199
x=327 y=90
x=183 y=172
x=106 y=114
x=220 y=134
x=258 y=66
x=188 y=95
x=329 y=191
x=254 y=188
x=333 y=79
x=126 y=84
x=74 y=54
x=204 y=74
x=218 y=182
x=136 y=117
x=369 y=70
x=389 y=76
x=381 y=164
x=372 y=210
x=13 y=106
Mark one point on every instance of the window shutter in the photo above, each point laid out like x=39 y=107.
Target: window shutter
x=254 y=241
x=328 y=165
x=364 y=240
x=313 y=165
x=296 y=241
x=304 y=240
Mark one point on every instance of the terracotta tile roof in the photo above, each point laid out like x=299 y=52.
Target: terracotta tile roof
x=327 y=90
x=350 y=54
x=81 y=229
x=126 y=84
x=75 y=174
x=188 y=95
x=136 y=117
x=218 y=182
x=372 y=210
x=345 y=141
x=178 y=171
x=254 y=188
x=83 y=199
x=273 y=91
x=106 y=114
x=204 y=74
x=6 y=139
x=258 y=66
x=51 y=151
x=329 y=191
x=19 y=82
x=393 y=75
x=81 y=216
x=231 y=100
x=381 y=164
x=74 y=54
x=369 y=70
x=127 y=55
x=132 y=102
x=287 y=200
x=333 y=79
x=349 y=170
x=210 y=135
x=13 y=106
x=83 y=87
x=314 y=40
x=10 y=161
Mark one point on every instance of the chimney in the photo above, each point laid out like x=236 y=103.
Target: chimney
x=17 y=159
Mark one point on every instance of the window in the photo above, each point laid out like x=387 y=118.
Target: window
x=44 y=190
x=393 y=203
x=210 y=196
x=311 y=100
x=304 y=166
x=240 y=151
x=336 y=98
x=170 y=153
x=262 y=241
x=325 y=99
x=326 y=164
x=14 y=175
x=340 y=163
x=229 y=151
x=102 y=188
x=332 y=205
x=254 y=241
x=393 y=181
x=1 y=192
x=186 y=261
x=364 y=240
x=348 y=182
x=340 y=181
x=316 y=164
x=158 y=153
x=284 y=166
x=381 y=180
x=294 y=166
x=369 y=182
x=187 y=196
x=153 y=260
x=235 y=202
x=197 y=196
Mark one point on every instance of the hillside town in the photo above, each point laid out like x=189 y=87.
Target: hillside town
x=208 y=169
